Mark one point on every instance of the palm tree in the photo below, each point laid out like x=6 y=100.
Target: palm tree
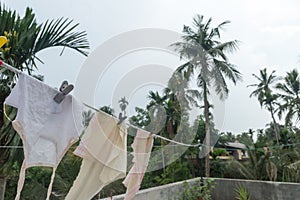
x=26 y=38
x=87 y=116
x=258 y=167
x=123 y=103
x=157 y=113
x=206 y=58
x=265 y=95
x=291 y=96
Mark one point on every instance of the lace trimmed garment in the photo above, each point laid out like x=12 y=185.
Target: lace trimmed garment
x=103 y=148
x=46 y=128
x=142 y=146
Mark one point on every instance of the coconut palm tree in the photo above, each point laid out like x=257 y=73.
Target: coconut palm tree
x=290 y=90
x=123 y=103
x=206 y=59
x=26 y=38
x=157 y=108
x=265 y=95
x=255 y=168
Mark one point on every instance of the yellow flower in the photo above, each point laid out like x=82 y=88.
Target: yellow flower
x=3 y=40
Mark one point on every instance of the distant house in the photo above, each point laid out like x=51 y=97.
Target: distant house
x=235 y=149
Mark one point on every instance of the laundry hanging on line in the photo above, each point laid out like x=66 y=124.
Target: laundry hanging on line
x=46 y=118
x=40 y=123
x=142 y=146
x=46 y=128
x=103 y=148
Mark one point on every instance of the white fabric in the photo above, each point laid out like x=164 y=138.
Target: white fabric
x=46 y=128
x=142 y=146
x=103 y=148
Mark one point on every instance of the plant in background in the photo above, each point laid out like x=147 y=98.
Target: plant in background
x=206 y=60
x=290 y=94
x=266 y=96
x=201 y=190
x=219 y=152
x=25 y=39
x=242 y=193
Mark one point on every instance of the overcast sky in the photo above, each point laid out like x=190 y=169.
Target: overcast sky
x=268 y=30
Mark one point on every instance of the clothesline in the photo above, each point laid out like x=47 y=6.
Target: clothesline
x=11 y=147
x=9 y=67
x=154 y=135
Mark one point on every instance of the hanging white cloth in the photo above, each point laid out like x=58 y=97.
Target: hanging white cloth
x=103 y=148
x=46 y=128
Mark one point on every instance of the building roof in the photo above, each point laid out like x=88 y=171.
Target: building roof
x=236 y=145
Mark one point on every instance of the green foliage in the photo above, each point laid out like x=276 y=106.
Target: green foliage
x=226 y=137
x=218 y=168
x=201 y=190
x=265 y=94
x=141 y=118
x=254 y=168
x=219 y=152
x=177 y=171
x=206 y=59
x=290 y=165
x=27 y=37
x=290 y=94
x=245 y=138
x=38 y=179
x=114 y=188
x=8 y=136
x=242 y=193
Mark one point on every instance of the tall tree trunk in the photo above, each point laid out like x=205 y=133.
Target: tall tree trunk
x=170 y=129
x=2 y=186
x=207 y=130
x=275 y=124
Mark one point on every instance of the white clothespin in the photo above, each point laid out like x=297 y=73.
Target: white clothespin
x=64 y=89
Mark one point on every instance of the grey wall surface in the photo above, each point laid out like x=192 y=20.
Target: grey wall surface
x=259 y=190
x=224 y=190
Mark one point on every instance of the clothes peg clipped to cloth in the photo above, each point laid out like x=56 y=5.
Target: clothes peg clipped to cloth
x=64 y=89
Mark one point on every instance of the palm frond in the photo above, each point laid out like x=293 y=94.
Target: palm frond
x=220 y=84
x=230 y=46
x=60 y=32
x=228 y=70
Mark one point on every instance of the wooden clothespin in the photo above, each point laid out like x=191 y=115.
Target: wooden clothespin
x=64 y=89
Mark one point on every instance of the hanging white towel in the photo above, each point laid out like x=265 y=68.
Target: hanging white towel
x=46 y=128
x=142 y=146
x=103 y=148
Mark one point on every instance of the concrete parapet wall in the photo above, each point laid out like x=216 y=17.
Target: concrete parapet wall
x=224 y=190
